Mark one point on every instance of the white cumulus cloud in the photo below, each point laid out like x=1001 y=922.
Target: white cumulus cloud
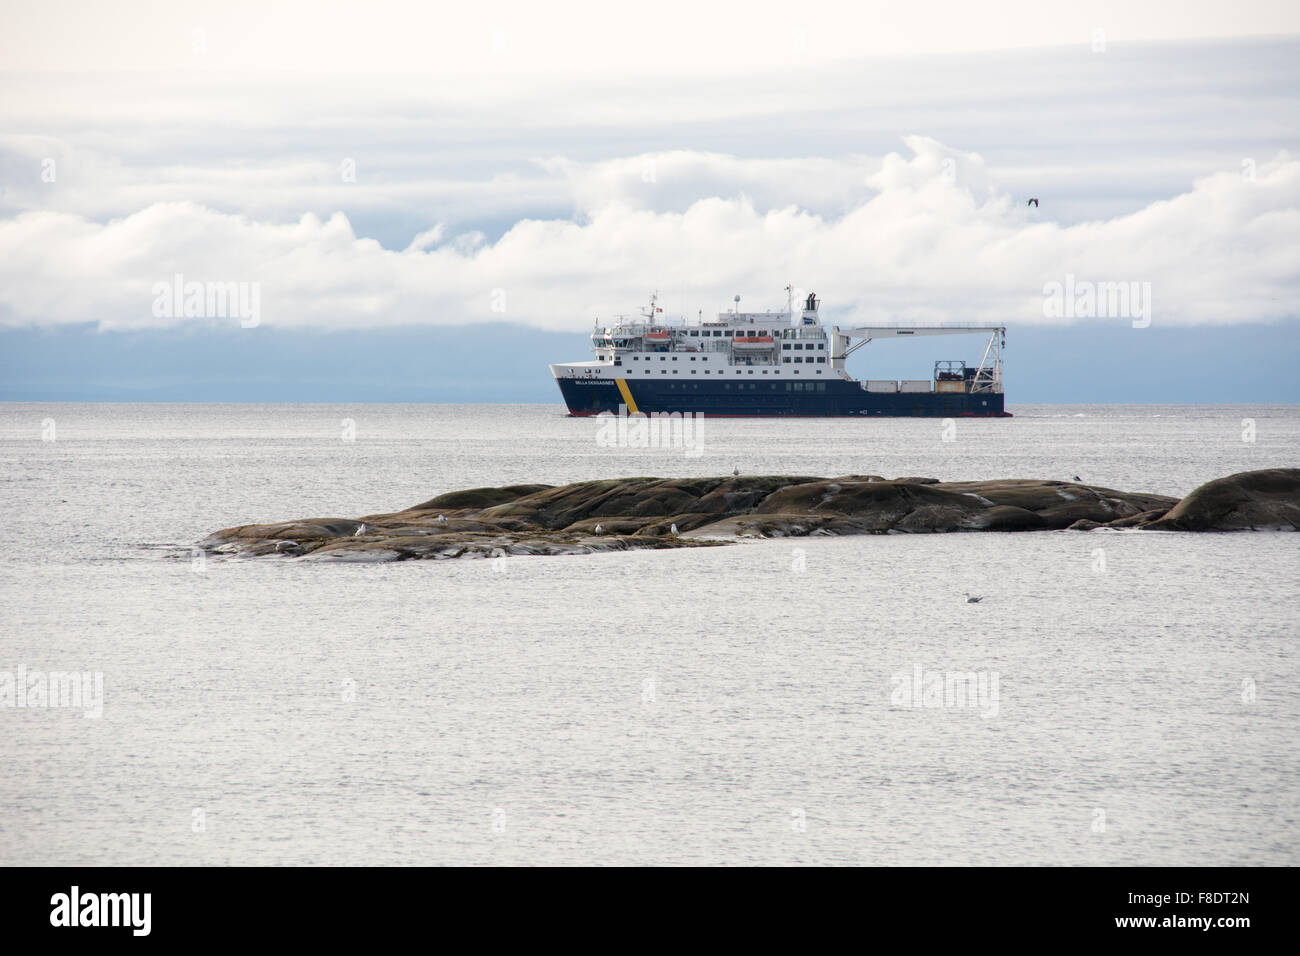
x=930 y=235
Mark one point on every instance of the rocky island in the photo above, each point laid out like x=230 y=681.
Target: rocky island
x=627 y=513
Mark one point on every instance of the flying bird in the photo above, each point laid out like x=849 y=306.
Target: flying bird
x=1032 y=202
x=974 y=600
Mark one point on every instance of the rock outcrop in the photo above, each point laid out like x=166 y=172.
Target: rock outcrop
x=626 y=513
x=1267 y=500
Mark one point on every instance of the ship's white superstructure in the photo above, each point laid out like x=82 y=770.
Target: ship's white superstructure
x=780 y=344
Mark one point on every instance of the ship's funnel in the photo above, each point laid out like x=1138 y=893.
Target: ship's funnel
x=810 y=305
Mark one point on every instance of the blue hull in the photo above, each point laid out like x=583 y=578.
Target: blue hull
x=768 y=399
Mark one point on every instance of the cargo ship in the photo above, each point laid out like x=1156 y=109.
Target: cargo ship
x=775 y=363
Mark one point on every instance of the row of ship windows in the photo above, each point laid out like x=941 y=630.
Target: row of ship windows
x=766 y=386
x=820 y=360
x=743 y=333
x=797 y=346
x=664 y=371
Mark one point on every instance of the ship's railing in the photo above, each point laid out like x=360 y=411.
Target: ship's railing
x=802 y=332
x=770 y=320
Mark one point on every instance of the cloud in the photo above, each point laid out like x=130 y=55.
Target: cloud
x=921 y=237
x=1099 y=136
x=512 y=36
x=675 y=179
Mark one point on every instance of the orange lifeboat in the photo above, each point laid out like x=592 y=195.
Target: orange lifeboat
x=752 y=342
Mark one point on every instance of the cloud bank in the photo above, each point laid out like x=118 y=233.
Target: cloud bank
x=930 y=235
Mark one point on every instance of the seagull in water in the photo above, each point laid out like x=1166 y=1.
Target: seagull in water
x=360 y=530
x=973 y=600
x=735 y=471
x=1077 y=478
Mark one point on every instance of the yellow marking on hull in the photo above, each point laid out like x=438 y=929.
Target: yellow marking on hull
x=627 y=395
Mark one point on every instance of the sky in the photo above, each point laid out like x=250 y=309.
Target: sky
x=492 y=180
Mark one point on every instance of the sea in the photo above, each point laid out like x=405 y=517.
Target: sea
x=1116 y=698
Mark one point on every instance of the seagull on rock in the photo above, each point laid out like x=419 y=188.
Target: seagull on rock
x=673 y=529
x=735 y=471
x=360 y=530
x=599 y=529
x=442 y=519
x=974 y=600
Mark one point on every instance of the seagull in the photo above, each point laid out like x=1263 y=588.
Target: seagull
x=974 y=600
x=673 y=529
x=1032 y=202
x=442 y=519
x=1077 y=478
x=598 y=529
x=735 y=471
x=360 y=530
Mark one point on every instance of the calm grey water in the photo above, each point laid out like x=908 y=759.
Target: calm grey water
x=727 y=705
